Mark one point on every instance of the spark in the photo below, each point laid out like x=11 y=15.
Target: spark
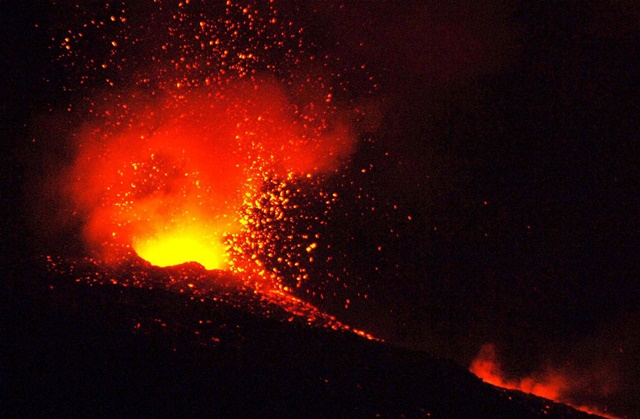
x=204 y=133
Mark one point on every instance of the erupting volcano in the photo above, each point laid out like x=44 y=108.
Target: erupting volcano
x=195 y=134
x=176 y=178
x=280 y=208
x=197 y=124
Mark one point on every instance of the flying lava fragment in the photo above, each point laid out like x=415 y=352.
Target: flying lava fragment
x=172 y=183
x=189 y=115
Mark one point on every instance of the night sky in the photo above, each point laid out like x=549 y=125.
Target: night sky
x=500 y=153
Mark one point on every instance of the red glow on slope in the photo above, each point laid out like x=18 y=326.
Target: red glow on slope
x=551 y=384
x=487 y=367
x=168 y=177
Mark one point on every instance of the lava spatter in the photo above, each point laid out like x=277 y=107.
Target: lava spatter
x=178 y=177
x=195 y=283
x=204 y=133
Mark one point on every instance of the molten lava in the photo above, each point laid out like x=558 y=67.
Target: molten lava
x=174 y=182
x=178 y=248
x=185 y=116
x=487 y=367
x=552 y=385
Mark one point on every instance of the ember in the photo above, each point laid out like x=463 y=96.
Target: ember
x=199 y=134
x=175 y=183
x=179 y=148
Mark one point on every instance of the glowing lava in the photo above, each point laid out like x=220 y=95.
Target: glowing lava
x=174 y=183
x=195 y=131
x=185 y=116
x=486 y=366
x=552 y=385
x=178 y=248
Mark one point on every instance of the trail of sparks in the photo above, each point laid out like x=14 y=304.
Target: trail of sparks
x=197 y=284
x=202 y=132
x=195 y=171
x=195 y=121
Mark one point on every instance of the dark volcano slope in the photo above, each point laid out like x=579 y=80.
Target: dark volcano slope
x=74 y=350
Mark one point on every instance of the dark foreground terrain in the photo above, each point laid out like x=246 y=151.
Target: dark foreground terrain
x=71 y=349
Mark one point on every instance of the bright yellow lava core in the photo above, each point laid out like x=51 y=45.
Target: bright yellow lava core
x=174 y=249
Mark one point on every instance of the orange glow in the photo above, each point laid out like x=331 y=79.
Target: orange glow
x=486 y=366
x=174 y=249
x=200 y=286
x=551 y=384
x=191 y=131
x=172 y=178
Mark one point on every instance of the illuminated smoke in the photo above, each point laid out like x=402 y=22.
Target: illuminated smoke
x=486 y=366
x=173 y=182
x=551 y=384
x=196 y=119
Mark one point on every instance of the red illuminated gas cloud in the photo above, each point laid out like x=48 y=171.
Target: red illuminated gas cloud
x=168 y=177
x=551 y=384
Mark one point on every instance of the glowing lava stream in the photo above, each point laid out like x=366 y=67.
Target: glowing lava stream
x=550 y=385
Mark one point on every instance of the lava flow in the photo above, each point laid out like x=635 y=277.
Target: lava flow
x=551 y=384
x=200 y=287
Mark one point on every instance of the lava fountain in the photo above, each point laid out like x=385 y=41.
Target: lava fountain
x=191 y=130
x=188 y=119
x=172 y=183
